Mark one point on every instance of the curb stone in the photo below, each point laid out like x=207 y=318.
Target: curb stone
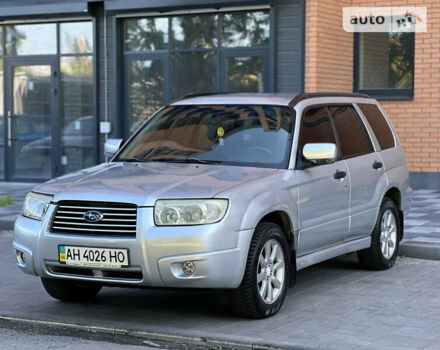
x=420 y=249
x=128 y=336
x=6 y=225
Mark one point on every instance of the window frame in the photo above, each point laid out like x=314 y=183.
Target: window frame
x=300 y=164
x=387 y=94
x=3 y=113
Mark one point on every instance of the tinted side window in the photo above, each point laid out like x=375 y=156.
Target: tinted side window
x=353 y=138
x=379 y=125
x=315 y=128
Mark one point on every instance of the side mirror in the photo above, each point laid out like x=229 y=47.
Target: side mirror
x=111 y=146
x=320 y=153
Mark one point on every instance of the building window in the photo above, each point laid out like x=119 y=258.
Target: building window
x=31 y=39
x=51 y=128
x=76 y=37
x=168 y=57
x=194 y=31
x=384 y=64
x=245 y=29
x=78 y=132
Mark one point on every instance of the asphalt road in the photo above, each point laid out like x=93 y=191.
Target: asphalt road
x=335 y=305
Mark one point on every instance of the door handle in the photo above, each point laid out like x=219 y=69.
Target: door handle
x=9 y=129
x=377 y=165
x=339 y=174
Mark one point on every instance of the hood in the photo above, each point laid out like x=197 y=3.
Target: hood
x=144 y=183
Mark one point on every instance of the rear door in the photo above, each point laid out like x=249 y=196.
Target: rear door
x=365 y=168
x=323 y=195
x=386 y=141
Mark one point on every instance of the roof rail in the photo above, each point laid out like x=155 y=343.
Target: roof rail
x=306 y=96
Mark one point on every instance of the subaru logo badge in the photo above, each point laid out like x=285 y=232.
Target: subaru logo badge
x=93 y=216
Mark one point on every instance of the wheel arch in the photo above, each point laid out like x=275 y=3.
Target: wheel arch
x=395 y=194
x=283 y=220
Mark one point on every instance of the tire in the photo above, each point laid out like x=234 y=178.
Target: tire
x=70 y=291
x=246 y=300
x=377 y=257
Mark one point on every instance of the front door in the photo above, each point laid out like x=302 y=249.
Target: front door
x=30 y=121
x=324 y=194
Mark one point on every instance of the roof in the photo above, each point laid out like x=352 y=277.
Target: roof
x=256 y=98
x=306 y=96
x=240 y=99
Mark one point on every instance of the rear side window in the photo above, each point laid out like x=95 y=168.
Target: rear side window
x=353 y=138
x=316 y=128
x=379 y=125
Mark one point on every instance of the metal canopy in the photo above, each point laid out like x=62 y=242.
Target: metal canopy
x=170 y=5
x=15 y=9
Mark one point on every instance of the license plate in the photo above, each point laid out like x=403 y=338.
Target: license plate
x=93 y=257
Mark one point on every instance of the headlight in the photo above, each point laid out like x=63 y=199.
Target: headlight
x=189 y=211
x=35 y=205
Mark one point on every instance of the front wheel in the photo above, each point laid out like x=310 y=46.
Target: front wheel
x=264 y=285
x=385 y=239
x=70 y=290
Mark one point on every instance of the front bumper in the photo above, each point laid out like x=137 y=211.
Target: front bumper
x=156 y=254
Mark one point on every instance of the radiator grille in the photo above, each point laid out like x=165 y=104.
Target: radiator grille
x=119 y=219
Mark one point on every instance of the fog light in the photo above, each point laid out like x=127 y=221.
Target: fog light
x=188 y=267
x=21 y=260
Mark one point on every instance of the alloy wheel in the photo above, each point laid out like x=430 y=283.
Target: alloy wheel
x=388 y=234
x=270 y=271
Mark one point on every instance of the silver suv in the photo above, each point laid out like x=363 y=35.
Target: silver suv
x=230 y=191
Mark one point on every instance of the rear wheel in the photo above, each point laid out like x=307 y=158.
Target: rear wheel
x=264 y=285
x=70 y=290
x=385 y=239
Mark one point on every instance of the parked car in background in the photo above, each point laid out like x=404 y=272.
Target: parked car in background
x=76 y=135
x=230 y=191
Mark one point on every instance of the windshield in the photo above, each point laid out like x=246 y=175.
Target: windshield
x=257 y=136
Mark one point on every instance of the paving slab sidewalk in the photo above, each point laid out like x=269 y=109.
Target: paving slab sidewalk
x=422 y=226
x=335 y=305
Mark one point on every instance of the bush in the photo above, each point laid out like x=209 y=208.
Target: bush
x=6 y=201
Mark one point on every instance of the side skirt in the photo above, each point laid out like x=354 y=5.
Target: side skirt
x=332 y=252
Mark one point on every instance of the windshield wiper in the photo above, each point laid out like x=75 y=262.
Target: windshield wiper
x=186 y=160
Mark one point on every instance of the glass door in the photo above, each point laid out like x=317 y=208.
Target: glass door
x=30 y=120
x=244 y=70
x=147 y=87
